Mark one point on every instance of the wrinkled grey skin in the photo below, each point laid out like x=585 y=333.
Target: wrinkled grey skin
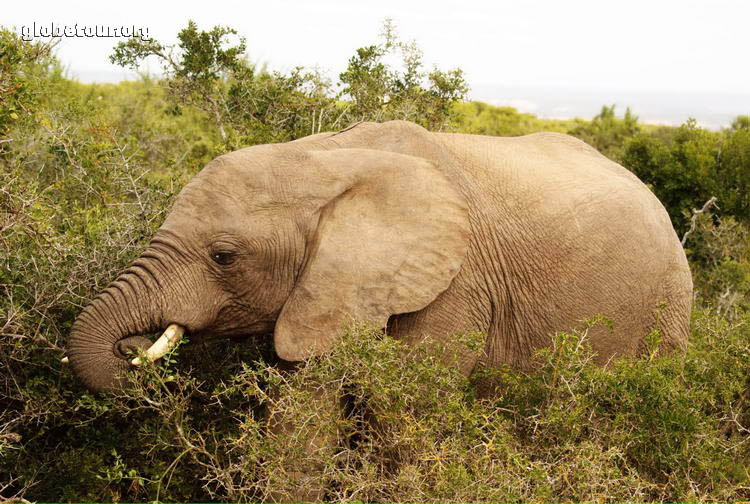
x=425 y=233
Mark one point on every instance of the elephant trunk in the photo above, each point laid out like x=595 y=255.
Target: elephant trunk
x=107 y=332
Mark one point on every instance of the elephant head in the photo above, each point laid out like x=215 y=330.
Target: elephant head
x=285 y=240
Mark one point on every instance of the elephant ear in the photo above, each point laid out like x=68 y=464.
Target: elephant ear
x=391 y=234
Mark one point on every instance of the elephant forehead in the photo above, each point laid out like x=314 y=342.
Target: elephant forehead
x=202 y=203
x=259 y=166
x=206 y=209
x=258 y=176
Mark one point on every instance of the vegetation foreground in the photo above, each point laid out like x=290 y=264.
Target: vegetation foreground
x=88 y=172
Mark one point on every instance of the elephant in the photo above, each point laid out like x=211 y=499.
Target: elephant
x=425 y=234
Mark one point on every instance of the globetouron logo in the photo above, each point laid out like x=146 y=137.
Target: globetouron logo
x=29 y=33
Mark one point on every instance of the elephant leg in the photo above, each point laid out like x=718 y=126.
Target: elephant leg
x=303 y=444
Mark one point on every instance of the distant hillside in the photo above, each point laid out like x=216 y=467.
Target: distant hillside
x=481 y=118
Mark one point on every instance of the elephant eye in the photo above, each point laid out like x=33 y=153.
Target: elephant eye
x=223 y=258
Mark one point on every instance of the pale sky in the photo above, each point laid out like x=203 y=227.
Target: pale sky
x=522 y=53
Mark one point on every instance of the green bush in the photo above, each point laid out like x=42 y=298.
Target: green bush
x=692 y=166
x=24 y=70
x=654 y=428
x=719 y=253
x=607 y=133
x=208 y=71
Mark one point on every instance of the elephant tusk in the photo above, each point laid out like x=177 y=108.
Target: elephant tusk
x=166 y=341
x=65 y=360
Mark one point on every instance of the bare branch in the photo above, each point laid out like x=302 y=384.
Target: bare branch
x=706 y=206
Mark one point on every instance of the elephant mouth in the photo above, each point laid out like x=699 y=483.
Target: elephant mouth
x=171 y=336
x=125 y=348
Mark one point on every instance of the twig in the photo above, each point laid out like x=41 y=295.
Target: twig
x=708 y=203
